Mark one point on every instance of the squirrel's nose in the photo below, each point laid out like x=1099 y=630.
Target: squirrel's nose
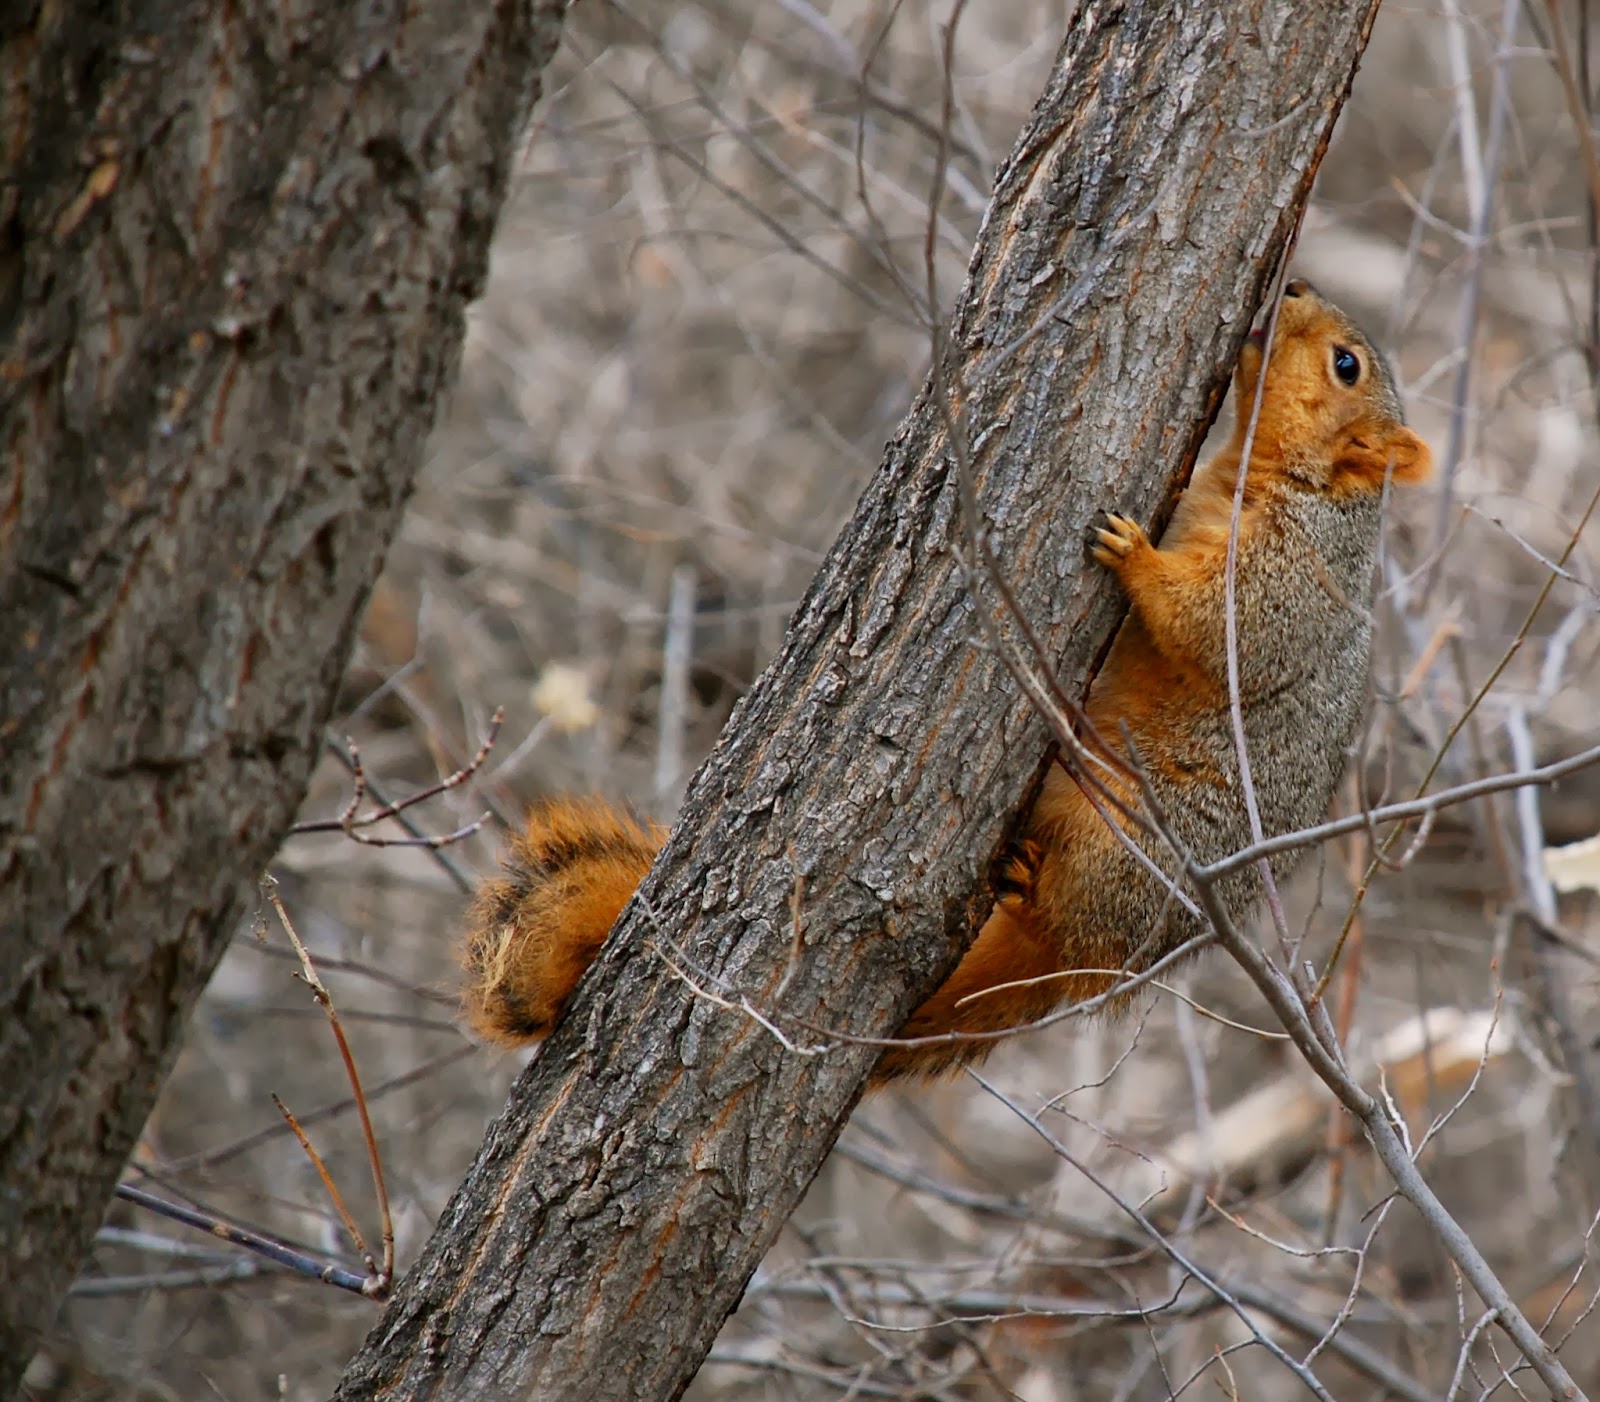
x=1297 y=287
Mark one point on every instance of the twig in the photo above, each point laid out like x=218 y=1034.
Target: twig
x=1385 y=1130
x=378 y=1284
x=1472 y=1336
x=210 y=1158
x=363 y=970
x=1038 y=681
x=1419 y=807
x=353 y=826
x=1230 y=575
x=286 y=1256
x=329 y=1186
x=986 y=1306
x=1088 y=1007
x=1158 y=984
x=447 y=863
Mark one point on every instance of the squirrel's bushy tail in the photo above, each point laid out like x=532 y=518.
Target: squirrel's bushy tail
x=532 y=933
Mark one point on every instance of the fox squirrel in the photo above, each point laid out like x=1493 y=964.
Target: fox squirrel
x=1078 y=904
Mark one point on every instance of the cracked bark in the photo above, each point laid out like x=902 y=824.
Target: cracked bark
x=652 y=1152
x=236 y=245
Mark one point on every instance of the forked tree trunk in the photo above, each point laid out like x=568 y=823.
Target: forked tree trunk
x=236 y=244
x=651 y=1154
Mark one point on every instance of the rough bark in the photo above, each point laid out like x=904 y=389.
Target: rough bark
x=650 y=1155
x=236 y=244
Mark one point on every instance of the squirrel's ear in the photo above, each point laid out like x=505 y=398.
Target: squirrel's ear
x=1398 y=454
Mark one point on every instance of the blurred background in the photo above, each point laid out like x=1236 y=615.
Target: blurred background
x=691 y=352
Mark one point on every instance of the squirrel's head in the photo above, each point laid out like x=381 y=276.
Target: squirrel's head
x=1330 y=418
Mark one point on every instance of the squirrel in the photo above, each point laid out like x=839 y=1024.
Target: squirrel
x=1085 y=901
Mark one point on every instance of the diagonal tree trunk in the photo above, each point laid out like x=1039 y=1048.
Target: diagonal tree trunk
x=653 y=1151
x=236 y=244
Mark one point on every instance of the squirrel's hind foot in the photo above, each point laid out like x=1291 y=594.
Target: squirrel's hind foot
x=1019 y=871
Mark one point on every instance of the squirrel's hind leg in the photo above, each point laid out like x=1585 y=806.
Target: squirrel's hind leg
x=1007 y=978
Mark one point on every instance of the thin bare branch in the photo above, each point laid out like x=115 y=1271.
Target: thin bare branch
x=381 y=1278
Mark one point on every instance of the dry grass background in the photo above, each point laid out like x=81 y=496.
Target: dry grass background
x=691 y=351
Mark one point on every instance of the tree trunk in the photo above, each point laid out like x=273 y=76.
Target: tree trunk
x=236 y=244
x=652 y=1152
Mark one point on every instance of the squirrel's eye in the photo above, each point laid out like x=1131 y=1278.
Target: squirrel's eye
x=1345 y=365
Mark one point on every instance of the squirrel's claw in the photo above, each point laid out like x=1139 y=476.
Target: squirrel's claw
x=1117 y=538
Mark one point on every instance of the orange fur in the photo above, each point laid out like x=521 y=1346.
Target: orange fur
x=532 y=934
x=1079 y=904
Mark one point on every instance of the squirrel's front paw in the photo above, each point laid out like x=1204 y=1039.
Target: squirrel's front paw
x=1117 y=539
